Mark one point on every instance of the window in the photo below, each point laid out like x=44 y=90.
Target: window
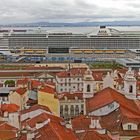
x=66 y=111
x=66 y=108
x=77 y=110
x=130 y=88
x=129 y=127
x=88 y=88
x=111 y=106
x=82 y=109
x=61 y=111
x=72 y=110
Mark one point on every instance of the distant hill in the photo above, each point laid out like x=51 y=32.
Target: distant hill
x=77 y=24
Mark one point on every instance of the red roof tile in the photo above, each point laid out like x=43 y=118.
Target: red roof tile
x=6 y=126
x=81 y=123
x=9 y=108
x=48 y=89
x=23 y=137
x=35 y=107
x=23 y=81
x=55 y=131
x=112 y=122
x=7 y=132
x=21 y=91
x=35 y=83
x=91 y=134
x=98 y=76
x=71 y=96
x=50 y=83
x=72 y=72
x=137 y=138
x=42 y=118
x=17 y=74
x=7 y=135
x=107 y=96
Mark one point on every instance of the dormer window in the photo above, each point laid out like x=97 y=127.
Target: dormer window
x=129 y=127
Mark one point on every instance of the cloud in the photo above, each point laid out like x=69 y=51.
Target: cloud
x=12 y=11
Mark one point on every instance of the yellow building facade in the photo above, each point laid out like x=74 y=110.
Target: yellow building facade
x=47 y=98
x=19 y=97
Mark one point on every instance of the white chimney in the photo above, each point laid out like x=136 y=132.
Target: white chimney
x=95 y=124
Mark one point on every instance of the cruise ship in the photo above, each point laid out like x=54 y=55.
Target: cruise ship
x=40 y=45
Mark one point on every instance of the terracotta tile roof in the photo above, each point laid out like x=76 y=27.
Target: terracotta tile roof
x=1 y=122
x=81 y=123
x=17 y=74
x=21 y=91
x=55 y=131
x=31 y=101
x=119 y=81
x=112 y=122
x=98 y=76
x=11 y=108
x=35 y=107
x=123 y=71
x=71 y=96
x=30 y=82
x=37 y=68
x=7 y=132
x=48 y=89
x=50 y=83
x=63 y=74
x=35 y=83
x=23 y=81
x=7 y=135
x=138 y=85
x=130 y=112
x=23 y=137
x=137 y=138
x=78 y=71
x=91 y=134
x=42 y=118
x=43 y=68
x=107 y=96
x=6 y=126
x=72 y=72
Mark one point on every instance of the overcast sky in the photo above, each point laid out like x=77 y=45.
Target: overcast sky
x=12 y=11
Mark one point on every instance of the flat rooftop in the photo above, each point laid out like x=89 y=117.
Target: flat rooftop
x=129 y=60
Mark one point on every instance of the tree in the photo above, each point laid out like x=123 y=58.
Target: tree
x=10 y=83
